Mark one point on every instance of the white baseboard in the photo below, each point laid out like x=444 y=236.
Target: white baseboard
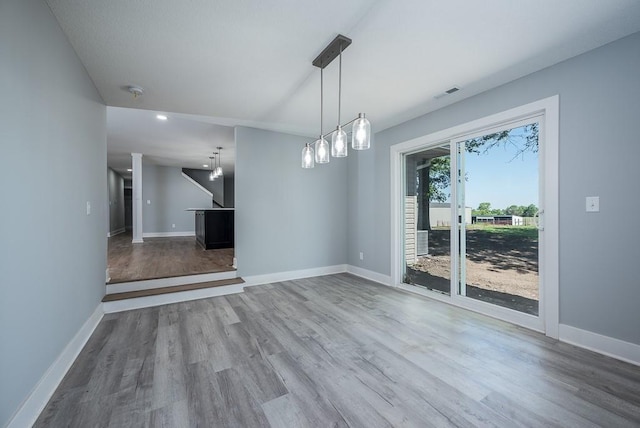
x=116 y=232
x=615 y=348
x=369 y=274
x=294 y=274
x=125 y=287
x=168 y=234
x=165 y=299
x=137 y=241
x=42 y=392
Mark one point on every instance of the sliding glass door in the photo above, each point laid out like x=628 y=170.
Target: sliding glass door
x=497 y=194
x=475 y=215
x=470 y=218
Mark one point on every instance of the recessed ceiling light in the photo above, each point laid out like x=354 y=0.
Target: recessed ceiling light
x=205 y=165
x=129 y=170
x=161 y=117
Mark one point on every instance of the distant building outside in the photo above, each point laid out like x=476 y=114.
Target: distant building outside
x=440 y=214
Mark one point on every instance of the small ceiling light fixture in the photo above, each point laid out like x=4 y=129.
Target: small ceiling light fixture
x=219 y=168
x=161 y=117
x=361 y=130
x=135 y=90
x=129 y=170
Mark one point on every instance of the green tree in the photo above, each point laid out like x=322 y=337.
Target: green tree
x=433 y=180
x=484 y=208
x=530 y=211
x=514 y=210
x=439 y=179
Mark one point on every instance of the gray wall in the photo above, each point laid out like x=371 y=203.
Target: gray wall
x=115 y=184
x=52 y=254
x=216 y=187
x=599 y=151
x=229 y=191
x=170 y=194
x=287 y=218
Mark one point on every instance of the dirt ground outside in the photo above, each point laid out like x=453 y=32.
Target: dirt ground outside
x=501 y=266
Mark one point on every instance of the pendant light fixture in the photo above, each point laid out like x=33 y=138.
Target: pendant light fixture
x=361 y=129
x=339 y=137
x=211 y=174
x=219 y=168
x=361 y=133
x=307 y=156
x=322 y=146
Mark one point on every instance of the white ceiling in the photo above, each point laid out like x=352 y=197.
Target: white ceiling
x=248 y=62
x=182 y=140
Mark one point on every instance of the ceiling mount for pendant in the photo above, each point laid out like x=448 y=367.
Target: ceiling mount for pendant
x=331 y=52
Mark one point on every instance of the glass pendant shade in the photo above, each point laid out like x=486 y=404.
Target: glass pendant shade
x=307 y=156
x=322 y=150
x=339 y=143
x=361 y=136
x=211 y=176
x=219 y=171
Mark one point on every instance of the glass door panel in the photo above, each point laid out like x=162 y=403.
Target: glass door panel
x=497 y=200
x=427 y=219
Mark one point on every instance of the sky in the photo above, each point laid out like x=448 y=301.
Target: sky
x=498 y=178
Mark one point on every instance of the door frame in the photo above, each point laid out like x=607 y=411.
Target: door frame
x=548 y=108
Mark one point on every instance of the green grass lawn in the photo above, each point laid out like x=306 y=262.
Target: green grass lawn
x=522 y=232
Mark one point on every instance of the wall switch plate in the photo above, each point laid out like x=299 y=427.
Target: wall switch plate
x=361 y=255
x=88 y=208
x=148 y=201
x=593 y=204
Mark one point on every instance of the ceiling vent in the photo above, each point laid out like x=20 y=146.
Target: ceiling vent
x=447 y=92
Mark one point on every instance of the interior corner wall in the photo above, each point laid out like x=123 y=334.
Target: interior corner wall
x=287 y=218
x=115 y=201
x=169 y=194
x=52 y=253
x=599 y=149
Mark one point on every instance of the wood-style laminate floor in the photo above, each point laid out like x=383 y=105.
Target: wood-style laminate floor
x=163 y=258
x=334 y=351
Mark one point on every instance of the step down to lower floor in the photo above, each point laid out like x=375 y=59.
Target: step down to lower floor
x=172 y=289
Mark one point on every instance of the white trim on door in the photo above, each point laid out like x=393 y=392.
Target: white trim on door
x=548 y=108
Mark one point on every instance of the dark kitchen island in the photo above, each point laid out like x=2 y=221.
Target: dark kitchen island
x=214 y=227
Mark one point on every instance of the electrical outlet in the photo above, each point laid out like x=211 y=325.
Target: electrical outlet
x=88 y=208
x=173 y=225
x=148 y=201
x=361 y=255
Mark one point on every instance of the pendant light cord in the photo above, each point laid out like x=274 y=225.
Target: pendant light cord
x=339 y=84
x=321 y=100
